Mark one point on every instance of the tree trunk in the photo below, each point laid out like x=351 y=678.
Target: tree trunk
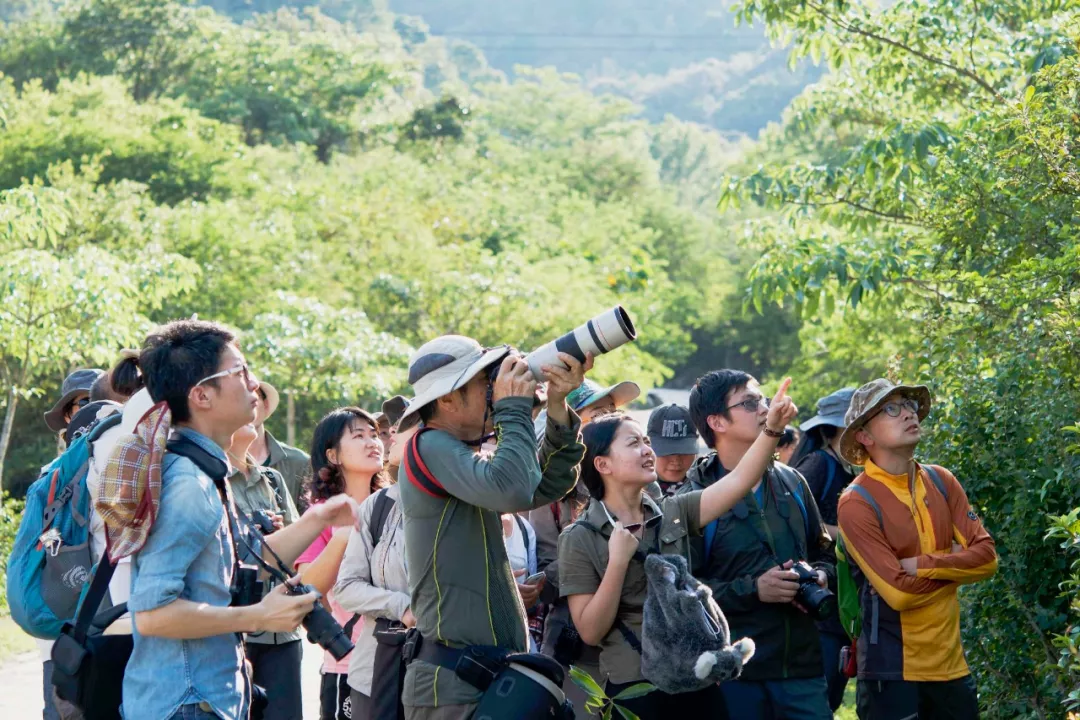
x=290 y=419
x=9 y=422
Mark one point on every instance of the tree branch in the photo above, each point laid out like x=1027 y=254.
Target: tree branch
x=856 y=29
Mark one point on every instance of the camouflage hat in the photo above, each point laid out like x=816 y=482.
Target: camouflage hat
x=865 y=403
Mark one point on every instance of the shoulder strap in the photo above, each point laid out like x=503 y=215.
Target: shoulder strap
x=829 y=476
x=383 y=504
x=92 y=600
x=524 y=532
x=865 y=495
x=792 y=484
x=349 y=626
x=710 y=535
x=938 y=482
x=276 y=487
x=418 y=473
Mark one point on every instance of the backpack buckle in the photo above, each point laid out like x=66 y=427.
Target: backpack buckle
x=51 y=541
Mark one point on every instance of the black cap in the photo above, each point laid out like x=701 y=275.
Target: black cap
x=671 y=431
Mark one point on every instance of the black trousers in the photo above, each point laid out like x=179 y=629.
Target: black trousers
x=277 y=670
x=707 y=703
x=903 y=700
x=335 y=702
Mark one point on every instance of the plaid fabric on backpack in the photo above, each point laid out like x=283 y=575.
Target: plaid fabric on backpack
x=130 y=489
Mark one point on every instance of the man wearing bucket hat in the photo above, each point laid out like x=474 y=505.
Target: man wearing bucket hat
x=463 y=590
x=914 y=539
x=74 y=394
x=293 y=463
x=590 y=399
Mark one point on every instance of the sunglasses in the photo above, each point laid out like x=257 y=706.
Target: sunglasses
x=241 y=369
x=634 y=527
x=894 y=409
x=750 y=404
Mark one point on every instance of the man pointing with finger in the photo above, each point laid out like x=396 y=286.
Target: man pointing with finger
x=462 y=586
x=746 y=556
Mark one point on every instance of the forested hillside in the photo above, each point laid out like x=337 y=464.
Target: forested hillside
x=297 y=178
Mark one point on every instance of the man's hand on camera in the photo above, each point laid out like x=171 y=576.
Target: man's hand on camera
x=515 y=380
x=778 y=585
x=281 y=612
x=561 y=382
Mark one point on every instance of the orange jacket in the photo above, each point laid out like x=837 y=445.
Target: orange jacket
x=911 y=624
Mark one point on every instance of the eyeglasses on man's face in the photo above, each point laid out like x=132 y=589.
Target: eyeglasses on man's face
x=751 y=404
x=241 y=369
x=895 y=408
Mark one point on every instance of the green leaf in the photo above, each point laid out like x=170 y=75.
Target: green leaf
x=635 y=691
x=585 y=681
x=627 y=714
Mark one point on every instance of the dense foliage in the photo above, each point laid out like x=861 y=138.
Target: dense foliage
x=293 y=177
x=929 y=184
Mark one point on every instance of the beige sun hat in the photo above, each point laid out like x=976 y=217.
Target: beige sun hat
x=272 y=398
x=444 y=365
x=865 y=403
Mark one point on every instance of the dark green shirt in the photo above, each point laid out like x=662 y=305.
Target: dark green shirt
x=463 y=590
x=293 y=464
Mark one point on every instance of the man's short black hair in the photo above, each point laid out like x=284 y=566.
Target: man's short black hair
x=710 y=396
x=178 y=355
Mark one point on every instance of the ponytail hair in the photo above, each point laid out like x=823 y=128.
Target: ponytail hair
x=126 y=376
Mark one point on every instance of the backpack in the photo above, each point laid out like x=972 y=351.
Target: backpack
x=847 y=588
x=50 y=560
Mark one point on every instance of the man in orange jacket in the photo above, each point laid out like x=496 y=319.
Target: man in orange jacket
x=914 y=538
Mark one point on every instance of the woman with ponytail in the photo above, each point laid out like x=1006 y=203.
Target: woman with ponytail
x=346 y=457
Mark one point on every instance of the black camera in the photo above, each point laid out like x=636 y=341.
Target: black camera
x=819 y=602
x=322 y=628
x=247 y=588
x=263 y=520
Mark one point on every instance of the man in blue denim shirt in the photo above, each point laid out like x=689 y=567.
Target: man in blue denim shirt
x=188 y=659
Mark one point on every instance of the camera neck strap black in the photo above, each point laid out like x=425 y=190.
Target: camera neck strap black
x=218 y=471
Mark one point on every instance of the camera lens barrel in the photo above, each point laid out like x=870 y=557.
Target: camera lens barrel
x=602 y=334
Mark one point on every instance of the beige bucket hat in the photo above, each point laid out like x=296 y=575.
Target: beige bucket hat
x=865 y=403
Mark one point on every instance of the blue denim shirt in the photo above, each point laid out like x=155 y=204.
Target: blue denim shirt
x=188 y=555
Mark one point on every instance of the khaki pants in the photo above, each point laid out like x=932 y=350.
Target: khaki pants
x=445 y=712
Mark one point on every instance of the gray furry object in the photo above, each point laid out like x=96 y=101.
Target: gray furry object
x=685 y=641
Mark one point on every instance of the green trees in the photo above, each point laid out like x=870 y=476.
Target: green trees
x=334 y=211
x=927 y=186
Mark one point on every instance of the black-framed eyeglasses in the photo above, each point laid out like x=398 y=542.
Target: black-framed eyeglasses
x=750 y=404
x=894 y=408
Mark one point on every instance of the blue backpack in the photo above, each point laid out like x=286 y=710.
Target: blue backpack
x=50 y=562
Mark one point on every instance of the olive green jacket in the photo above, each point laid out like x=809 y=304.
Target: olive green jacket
x=463 y=590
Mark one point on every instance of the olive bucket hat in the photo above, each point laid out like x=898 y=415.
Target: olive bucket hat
x=866 y=402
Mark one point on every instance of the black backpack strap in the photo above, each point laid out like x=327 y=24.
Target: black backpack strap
x=383 y=505
x=276 y=487
x=92 y=600
x=351 y=625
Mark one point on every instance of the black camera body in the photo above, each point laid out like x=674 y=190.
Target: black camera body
x=819 y=602
x=247 y=589
x=263 y=520
x=322 y=628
